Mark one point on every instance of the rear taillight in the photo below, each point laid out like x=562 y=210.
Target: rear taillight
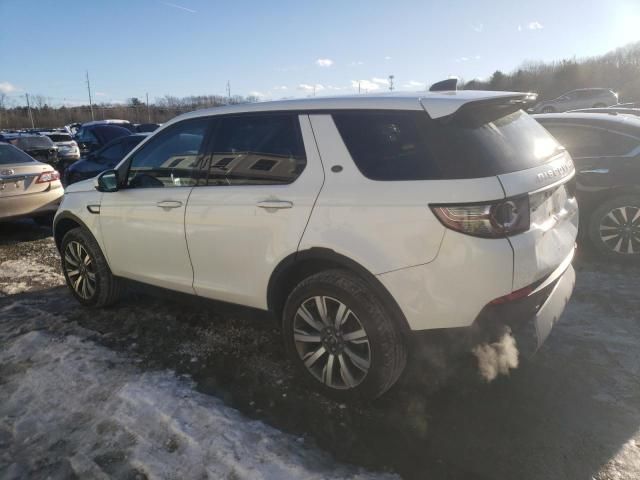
x=498 y=219
x=50 y=176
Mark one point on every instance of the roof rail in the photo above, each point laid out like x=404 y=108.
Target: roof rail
x=445 y=85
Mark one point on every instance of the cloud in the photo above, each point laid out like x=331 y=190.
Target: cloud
x=101 y=94
x=324 y=62
x=365 y=85
x=466 y=59
x=305 y=87
x=380 y=81
x=414 y=84
x=519 y=28
x=256 y=93
x=355 y=64
x=387 y=57
x=6 y=87
x=180 y=7
x=535 y=26
x=477 y=27
x=281 y=87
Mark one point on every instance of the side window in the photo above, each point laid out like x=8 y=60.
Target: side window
x=592 y=142
x=169 y=159
x=86 y=136
x=255 y=150
x=388 y=145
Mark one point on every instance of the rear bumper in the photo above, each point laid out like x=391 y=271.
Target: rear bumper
x=529 y=320
x=31 y=205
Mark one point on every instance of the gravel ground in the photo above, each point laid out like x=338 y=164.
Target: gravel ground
x=572 y=412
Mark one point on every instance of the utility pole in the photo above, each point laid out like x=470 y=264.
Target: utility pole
x=391 y=77
x=229 y=90
x=148 y=111
x=29 y=107
x=89 y=89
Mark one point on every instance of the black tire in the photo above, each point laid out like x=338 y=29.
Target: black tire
x=386 y=348
x=603 y=228
x=107 y=287
x=548 y=110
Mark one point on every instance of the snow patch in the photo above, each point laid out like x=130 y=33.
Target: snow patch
x=18 y=276
x=70 y=406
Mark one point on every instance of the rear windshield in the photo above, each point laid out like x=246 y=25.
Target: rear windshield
x=59 y=137
x=10 y=155
x=407 y=145
x=32 y=142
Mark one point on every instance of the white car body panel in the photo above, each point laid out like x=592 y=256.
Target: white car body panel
x=383 y=226
x=235 y=244
x=144 y=241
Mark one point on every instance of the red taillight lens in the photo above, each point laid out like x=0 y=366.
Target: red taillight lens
x=488 y=220
x=513 y=296
x=50 y=176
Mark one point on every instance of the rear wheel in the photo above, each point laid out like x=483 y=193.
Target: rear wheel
x=341 y=338
x=614 y=228
x=86 y=271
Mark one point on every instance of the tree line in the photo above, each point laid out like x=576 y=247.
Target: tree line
x=135 y=110
x=618 y=70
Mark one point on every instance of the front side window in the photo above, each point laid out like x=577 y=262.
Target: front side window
x=170 y=158
x=254 y=150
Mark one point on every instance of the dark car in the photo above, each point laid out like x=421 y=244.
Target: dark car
x=39 y=147
x=104 y=159
x=146 y=127
x=606 y=152
x=93 y=137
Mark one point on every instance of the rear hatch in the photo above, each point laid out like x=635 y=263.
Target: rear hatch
x=495 y=138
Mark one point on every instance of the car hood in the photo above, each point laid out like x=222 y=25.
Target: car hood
x=82 y=186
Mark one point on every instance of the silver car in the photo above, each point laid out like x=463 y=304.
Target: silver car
x=581 y=98
x=28 y=188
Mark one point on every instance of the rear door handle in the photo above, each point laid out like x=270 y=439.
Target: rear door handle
x=169 y=204
x=275 y=204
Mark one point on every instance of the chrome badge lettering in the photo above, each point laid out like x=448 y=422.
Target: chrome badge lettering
x=559 y=171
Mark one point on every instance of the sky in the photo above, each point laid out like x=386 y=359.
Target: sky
x=276 y=49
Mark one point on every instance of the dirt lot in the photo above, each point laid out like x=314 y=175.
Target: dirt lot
x=573 y=412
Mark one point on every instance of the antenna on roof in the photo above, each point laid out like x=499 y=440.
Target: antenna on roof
x=445 y=85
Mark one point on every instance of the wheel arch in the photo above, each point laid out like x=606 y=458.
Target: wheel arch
x=300 y=265
x=63 y=223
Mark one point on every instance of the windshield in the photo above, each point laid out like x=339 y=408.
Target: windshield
x=10 y=155
x=27 y=143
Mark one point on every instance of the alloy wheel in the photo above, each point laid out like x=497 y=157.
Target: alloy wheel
x=331 y=342
x=620 y=230
x=79 y=267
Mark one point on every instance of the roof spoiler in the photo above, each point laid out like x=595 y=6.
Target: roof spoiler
x=447 y=85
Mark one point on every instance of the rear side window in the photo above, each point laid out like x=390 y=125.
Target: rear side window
x=255 y=150
x=407 y=145
x=582 y=141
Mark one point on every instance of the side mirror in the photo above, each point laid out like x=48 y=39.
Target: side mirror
x=107 y=181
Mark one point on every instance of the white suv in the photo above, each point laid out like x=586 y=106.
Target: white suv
x=358 y=221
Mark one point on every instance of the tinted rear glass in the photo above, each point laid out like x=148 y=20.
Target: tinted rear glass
x=10 y=155
x=407 y=145
x=59 y=137
x=27 y=143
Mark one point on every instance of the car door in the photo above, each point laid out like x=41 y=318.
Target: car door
x=254 y=197
x=142 y=224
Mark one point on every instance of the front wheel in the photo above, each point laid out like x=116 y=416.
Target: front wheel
x=614 y=228
x=86 y=271
x=341 y=338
